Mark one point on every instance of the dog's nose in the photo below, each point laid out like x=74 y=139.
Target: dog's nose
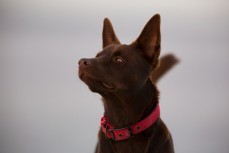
x=84 y=62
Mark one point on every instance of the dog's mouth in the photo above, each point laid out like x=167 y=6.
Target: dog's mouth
x=107 y=85
x=89 y=80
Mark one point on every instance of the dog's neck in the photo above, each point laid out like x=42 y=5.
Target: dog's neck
x=127 y=108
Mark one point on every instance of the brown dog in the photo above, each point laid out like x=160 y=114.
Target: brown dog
x=121 y=75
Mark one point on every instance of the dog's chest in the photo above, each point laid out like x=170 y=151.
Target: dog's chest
x=128 y=146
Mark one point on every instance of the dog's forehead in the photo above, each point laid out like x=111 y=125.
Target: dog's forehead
x=108 y=50
x=112 y=48
x=116 y=48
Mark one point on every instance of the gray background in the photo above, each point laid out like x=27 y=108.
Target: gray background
x=45 y=108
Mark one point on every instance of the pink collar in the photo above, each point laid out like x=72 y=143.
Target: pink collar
x=128 y=132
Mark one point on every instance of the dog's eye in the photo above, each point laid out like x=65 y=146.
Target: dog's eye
x=118 y=59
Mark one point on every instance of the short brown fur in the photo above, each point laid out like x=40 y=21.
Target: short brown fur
x=121 y=75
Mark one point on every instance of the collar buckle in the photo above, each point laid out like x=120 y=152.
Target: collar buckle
x=128 y=132
x=131 y=133
x=111 y=131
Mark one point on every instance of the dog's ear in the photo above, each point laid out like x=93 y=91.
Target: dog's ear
x=109 y=36
x=150 y=39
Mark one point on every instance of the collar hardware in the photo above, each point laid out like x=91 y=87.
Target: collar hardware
x=119 y=134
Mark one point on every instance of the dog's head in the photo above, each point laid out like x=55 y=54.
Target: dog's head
x=120 y=67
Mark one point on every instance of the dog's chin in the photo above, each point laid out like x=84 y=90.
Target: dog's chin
x=95 y=85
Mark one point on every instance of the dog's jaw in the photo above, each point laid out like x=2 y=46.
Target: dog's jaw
x=94 y=84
